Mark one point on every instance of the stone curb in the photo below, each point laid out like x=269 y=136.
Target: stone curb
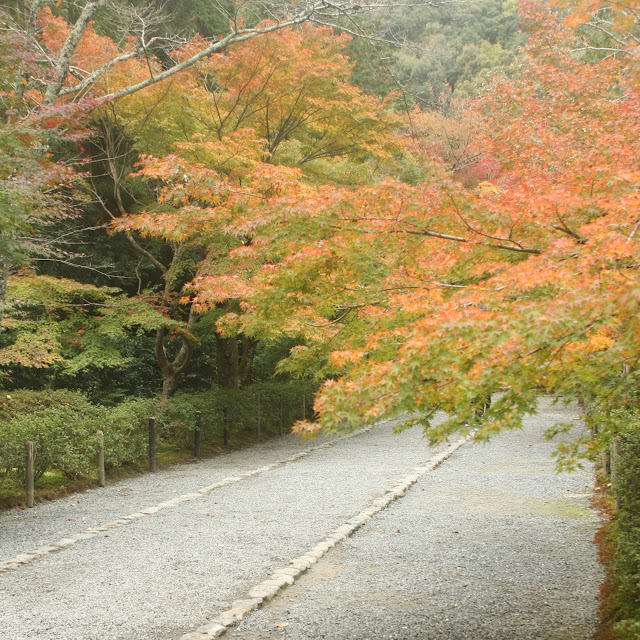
x=281 y=578
x=91 y=532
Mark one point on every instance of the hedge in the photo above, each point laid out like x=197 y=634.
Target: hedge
x=626 y=568
x=63 y=424
x=263 y=400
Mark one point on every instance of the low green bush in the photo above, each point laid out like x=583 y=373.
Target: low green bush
x=63 y=424
x=276 y=404
x=626 y=569
x=126 y=431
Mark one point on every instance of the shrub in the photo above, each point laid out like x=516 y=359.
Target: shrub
x=125 y=431
x=271 y=401
x=61 y=424
x=626 y=570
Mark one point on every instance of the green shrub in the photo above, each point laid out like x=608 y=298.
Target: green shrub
x=626 y=570
x=61 y=424
x=126 y=431
x=271 y=401
x=63 y=427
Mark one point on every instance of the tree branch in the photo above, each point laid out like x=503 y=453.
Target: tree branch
x=61 y=69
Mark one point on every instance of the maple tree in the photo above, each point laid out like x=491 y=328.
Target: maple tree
x=277 y=109
x=42 y=191
x=66 y=71
x=69 y=327
x=432 y=296
x=609 y=27
x=272 y=186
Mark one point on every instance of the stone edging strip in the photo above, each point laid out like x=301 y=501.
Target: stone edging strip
x=261 y=593
x=91 y=532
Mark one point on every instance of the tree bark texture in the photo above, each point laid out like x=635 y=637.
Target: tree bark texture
x=62 y=65
x=227 y=362
x=171 y=369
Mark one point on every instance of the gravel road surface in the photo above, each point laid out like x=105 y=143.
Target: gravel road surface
x=491 y=544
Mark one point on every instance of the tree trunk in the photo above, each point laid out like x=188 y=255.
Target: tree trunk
x=227 y=362
x=169 y=384
x=172 y=369
x=234 y=357
x=248 y=351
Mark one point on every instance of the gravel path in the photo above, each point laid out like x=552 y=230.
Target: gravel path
x=521 y=564
x=33 y=528
x=490 y=546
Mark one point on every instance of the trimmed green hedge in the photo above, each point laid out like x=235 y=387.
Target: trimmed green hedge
x=626 y=569
x=267 y=401
x=63 y=424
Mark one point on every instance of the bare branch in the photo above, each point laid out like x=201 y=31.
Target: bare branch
x=318 y=11
x=87 y=267
x=635 y=230
x=61 y=69
x=32 y=25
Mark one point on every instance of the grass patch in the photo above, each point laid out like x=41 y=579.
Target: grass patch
x=53 y=484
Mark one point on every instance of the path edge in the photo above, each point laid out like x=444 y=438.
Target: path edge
x=280 y=579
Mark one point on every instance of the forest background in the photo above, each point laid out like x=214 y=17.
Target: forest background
x=236 y=209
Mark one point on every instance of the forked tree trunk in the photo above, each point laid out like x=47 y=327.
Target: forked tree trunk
x=171 y=369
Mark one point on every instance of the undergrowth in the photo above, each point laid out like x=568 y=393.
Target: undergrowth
x=619 y=540
x=63 y=426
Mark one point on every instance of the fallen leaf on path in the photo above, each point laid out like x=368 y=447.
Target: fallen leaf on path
x=282 y=624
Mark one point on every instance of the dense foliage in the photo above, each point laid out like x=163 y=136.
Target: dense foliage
x=627 y=562
x=197 y=207
x=456 y=48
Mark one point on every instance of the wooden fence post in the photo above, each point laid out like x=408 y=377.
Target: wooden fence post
x=258 y=414
x=102 y=481
x=281 y=415
x=304 y=408
x=605 y=457
x=152 y=444
x=615 y=461
x=196 y=438
x=225 y=426
x=29 y=474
